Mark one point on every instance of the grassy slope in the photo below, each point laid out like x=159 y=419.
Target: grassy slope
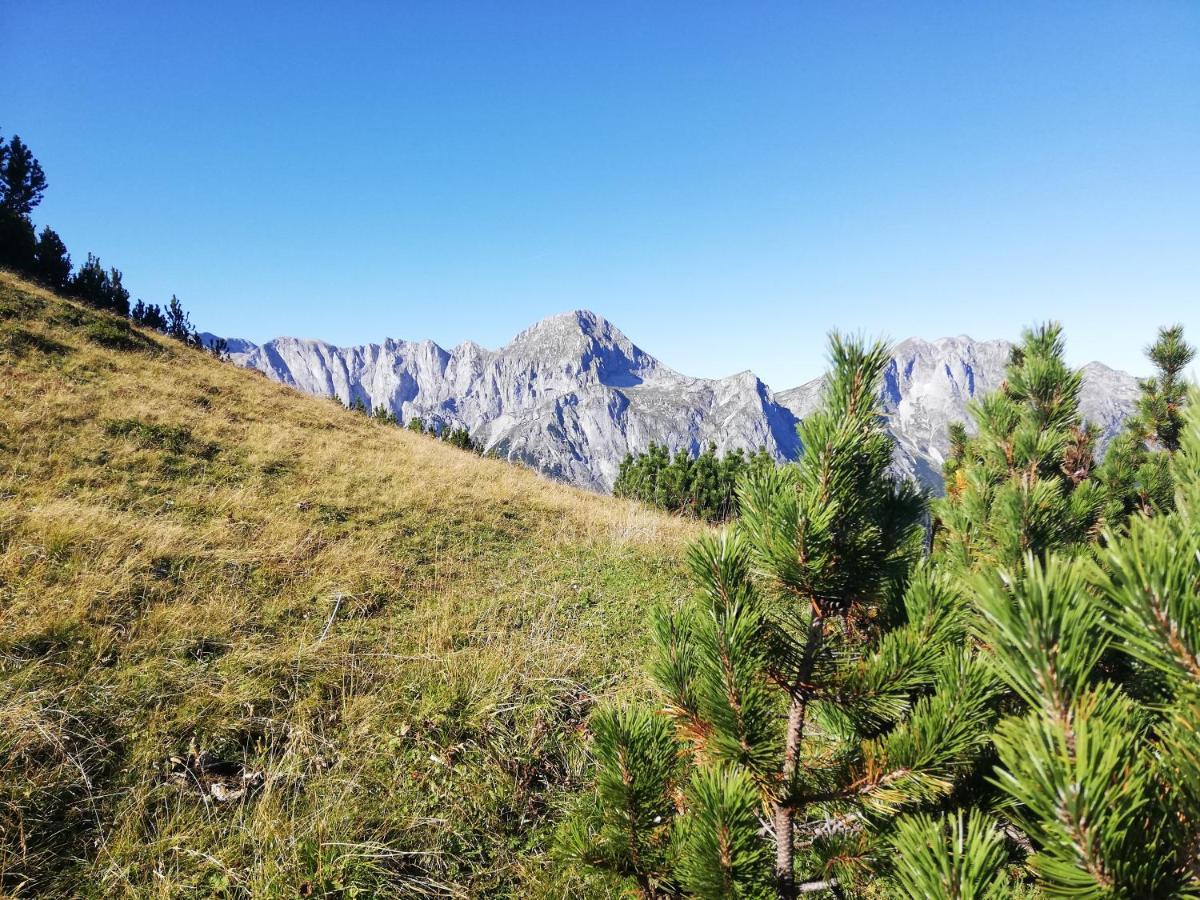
x=173 y=533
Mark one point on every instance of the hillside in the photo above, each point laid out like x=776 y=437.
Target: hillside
x=188 y=708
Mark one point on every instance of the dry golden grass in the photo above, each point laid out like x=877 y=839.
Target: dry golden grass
x=175 y=534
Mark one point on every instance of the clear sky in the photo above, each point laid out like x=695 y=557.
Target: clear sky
x=724 y=181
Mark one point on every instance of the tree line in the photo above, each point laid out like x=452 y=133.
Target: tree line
x=454 y=435
x=846 y=708
x=44 y=258
x=702 y=486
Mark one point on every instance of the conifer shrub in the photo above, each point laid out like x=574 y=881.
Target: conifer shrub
x=815 y=687
x=1025 y=482
x=115 y=334
x=704 y=486
x=1136 y=472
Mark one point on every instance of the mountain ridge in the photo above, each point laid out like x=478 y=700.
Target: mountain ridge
x=571 y=394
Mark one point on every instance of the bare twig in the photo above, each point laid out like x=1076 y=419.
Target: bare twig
x=337 y=604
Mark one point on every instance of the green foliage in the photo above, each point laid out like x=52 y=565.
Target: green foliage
x=1101 y=767
x=721 y=854
x=22 y=181
x=1163 y=397
x=704 y=486
x=148 y=316
x=957 y=857
x=178 y=324
x=52 y=262
x=461 y=438
x=219 y=348
x=18 y=244
x=817 y=676
x=383 y=415
x=175 y=439
x=1043 y=630
x=626 y=827
x=115 y=334
x=102 y=289
x=1025 y=483
x=1136 y=472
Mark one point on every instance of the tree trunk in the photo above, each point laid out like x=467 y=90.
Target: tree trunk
x=785 y=874
x=785 y=814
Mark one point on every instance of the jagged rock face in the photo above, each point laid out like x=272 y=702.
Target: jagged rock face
x=569 y=396
x=928 y=385
x=572 y=395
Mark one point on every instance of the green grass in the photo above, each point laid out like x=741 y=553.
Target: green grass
x=175 y=535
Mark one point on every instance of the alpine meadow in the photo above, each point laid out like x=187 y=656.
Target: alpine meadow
x=879 y=579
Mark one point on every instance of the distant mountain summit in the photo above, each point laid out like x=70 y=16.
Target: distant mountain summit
x=928 y=384
x=571 y=395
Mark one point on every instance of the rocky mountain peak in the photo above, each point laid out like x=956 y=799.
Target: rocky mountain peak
x=571 y=395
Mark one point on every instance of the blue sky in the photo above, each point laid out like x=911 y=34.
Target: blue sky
x=726 y=182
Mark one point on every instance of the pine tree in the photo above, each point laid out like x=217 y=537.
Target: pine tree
x=1136 y=473
x=99 y=288
x=219 y=348
x=383 y=415
x=21 y=186
x=1025 y=483
x=959 y=857
x=52 y=262
x=1163 y=397
x=1099 y=762
x=816 y=681
x=22 y=181
x=461 y=438
x=148 y=316
x=178 y=324
x=18 y=242
x=704 y=487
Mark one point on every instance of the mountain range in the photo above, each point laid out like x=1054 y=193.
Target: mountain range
x=571 y=395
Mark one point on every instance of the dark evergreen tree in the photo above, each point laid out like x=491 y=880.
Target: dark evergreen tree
x=22 y=181
x=417 y=424
x=148 y=316
x=461 y=438
x=99 y=288
x=219 y=348
x=52 y=262
x=1099 y=763
x=178 y=324
x=18 y=243
x=383 y=415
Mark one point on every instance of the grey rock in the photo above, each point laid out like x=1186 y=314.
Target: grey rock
x=572 y=395
x=929 y=384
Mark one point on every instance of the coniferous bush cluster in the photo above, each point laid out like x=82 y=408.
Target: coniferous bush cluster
x=44 y=257
x=703 y=486
x=1010 y=710
x=454 y=435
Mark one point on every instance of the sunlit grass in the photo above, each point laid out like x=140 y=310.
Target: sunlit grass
x=175 y=535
